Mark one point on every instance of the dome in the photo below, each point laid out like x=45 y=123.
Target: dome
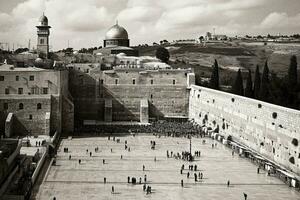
x=39 y=60
x=116 y=32
x=43 y=20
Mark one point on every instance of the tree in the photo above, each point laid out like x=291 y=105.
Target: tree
x=214 y=79
x=264 y=92
x=292 y=73
x=21 y=50
x=201 y=38
x=257 y=81
x=237 y=87
x=249 y=89
x=163 y=54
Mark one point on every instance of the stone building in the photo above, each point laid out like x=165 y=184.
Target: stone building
x=116 y=41
x=128 y=94
x=34 y=101
x=43 y=32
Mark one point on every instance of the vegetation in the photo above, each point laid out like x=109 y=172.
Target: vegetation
x=267 y=87
x=264 y=92
x=249 y=89
x=237 y=87
x=21 y=50
x=256 y=83
x=214 y=79
x=163 y=54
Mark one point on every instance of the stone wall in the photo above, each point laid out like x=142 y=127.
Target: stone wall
x=31 y=119
x=166 y=91
x=271 y=130
x=47 y=87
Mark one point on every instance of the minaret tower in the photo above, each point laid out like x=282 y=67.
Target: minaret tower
x=43 y=32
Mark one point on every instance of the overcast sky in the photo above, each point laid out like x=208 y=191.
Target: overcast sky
x=84 y=22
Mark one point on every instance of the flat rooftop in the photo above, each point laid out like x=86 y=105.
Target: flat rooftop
x=71 y=180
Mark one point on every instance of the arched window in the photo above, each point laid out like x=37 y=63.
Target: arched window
x=21 y=106
x=39 y=106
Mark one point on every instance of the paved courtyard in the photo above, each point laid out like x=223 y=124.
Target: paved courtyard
x=71 y=180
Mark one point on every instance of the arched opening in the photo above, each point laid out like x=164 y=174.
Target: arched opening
x=39 y=106
x=21 y=106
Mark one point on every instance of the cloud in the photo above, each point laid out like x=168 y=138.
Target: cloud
x=140 y=13
x=84 y=23
x=280 y=20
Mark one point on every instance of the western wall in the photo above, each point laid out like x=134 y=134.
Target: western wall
x=270 y=130
x=128 y=90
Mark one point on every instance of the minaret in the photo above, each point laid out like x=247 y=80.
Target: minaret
x=43 y=33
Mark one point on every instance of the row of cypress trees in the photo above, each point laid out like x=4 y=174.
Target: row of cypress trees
x=267 y=86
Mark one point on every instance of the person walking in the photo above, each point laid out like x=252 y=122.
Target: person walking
x=228 y=183
x=112 y=189
x=245 y=196
x=181 y=183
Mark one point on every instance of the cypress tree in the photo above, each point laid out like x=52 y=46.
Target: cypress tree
x=292 y=73
x=248 y=89
x=264 y=91
x=237 y=87
x=256 y=83
x=214 y=79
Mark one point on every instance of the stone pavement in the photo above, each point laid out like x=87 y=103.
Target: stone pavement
x=71 y=180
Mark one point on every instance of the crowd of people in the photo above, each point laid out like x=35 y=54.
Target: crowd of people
x=161 y=127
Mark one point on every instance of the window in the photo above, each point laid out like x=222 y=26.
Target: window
x=6 y=90
x=116 y=81
x=151 y=82
x=39 y=106
x=1 y=78
x=101 y=81
x=21 y=106
x=32 y=90
x=133 y=81
x=17 y=78
x=20 y=90
x=174 y=81
x=31 y=78
x=5 y=106
x=41 y=41
x=151 y=96
x=45 y=90
x=30 y=117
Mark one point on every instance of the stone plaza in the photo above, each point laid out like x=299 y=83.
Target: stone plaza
x=68 y=179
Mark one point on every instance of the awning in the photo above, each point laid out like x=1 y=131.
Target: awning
x=286 y=173
x=258 y=157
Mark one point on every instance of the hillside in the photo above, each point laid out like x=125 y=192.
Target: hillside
x=230 y=56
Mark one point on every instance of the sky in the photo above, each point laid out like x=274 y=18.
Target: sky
x=84 y=22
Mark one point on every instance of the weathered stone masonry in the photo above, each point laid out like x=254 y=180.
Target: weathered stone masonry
x=271 y=130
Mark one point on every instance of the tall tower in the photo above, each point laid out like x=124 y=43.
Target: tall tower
x=43 y=32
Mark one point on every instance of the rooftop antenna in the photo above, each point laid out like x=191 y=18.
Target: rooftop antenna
x=68 y=43
x=29 y=44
